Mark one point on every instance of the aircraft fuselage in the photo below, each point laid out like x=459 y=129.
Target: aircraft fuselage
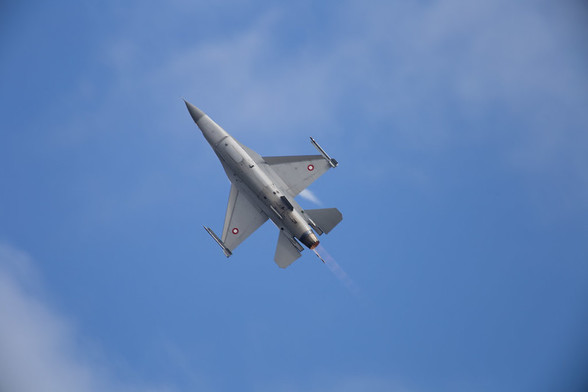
x=258 y=182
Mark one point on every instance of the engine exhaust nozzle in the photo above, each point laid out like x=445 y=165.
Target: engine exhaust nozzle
x=309 y=239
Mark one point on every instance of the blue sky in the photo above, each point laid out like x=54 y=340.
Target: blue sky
x=461 y=132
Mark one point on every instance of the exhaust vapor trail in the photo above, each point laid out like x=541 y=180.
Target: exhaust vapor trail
x=336 y=269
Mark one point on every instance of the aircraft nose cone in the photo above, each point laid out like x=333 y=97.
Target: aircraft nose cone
x=196 y=113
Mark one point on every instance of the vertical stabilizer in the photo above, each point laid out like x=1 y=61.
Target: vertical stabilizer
x=286 y=252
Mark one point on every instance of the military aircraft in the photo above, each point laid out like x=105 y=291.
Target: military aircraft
x=264 y=188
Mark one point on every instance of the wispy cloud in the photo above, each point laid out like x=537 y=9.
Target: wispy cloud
x=429 y=76
x=39 y=346
x=435 y=73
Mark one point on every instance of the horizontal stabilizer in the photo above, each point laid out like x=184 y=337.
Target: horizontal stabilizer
x=286 y=251
x=325 y=218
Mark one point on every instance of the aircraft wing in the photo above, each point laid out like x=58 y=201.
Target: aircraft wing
x=298 y=171
x=241 y=220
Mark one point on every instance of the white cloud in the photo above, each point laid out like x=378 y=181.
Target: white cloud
x=40 y=347
x=244 y=78
x=435 y=72
x=427 y=76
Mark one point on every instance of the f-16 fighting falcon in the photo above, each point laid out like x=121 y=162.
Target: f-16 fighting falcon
x=265 y=187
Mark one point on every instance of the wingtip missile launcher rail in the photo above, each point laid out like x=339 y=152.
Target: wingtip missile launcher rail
x=332 y=161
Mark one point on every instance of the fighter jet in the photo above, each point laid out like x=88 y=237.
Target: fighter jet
x=264 y=188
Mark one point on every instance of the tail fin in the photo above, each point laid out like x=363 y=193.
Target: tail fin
x=287 y=251
x=325 y=219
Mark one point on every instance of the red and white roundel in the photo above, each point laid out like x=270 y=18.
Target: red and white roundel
x=235 y=231
x=310 y=167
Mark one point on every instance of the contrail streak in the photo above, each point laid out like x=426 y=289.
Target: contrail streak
x=336 y=269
